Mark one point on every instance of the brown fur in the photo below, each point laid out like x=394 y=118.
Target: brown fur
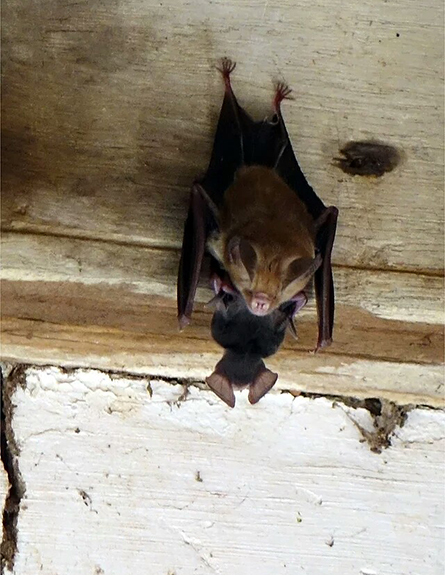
x=261 y=212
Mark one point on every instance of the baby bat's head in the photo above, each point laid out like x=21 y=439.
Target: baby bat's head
x=235 y=328
x=266 y=279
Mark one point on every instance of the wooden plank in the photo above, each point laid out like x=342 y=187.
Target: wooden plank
x=115 y=309
x=192 y=357
x=109 y=114
x=388 y=295
x=79 y=302
x=189 y=486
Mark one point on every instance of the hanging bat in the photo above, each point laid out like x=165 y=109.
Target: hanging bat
x=247 y=339
x=256 y=214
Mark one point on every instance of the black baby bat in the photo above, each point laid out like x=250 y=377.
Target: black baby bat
x=247 y=339
x=257 y=216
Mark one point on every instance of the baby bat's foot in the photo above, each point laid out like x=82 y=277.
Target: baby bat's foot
x=299 y=301
x=282 y=92
x=226 y=68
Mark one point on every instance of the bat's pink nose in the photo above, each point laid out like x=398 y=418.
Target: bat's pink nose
x=260 y=304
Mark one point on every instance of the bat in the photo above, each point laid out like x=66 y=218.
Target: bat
x=256 y=215
x=247 y=339
x=244 y=149
x=265 y=239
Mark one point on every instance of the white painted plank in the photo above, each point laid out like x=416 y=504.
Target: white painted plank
x=132 y=483
x=4 y=488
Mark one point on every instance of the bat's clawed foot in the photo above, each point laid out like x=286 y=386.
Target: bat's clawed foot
x=282 y=92
x=323 y=342
x=183 y=321
x=226 y=67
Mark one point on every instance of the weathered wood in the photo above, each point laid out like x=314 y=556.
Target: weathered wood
x=357 y=334
x=141 y=270
x=194 y=356
x=109 y=114
x=132 y=483
x=112 y=306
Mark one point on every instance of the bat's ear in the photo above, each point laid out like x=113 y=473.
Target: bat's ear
x=241 y=251
x=220 y=385
x=197 y=188
x=301 y=270
x=263 y=383
x=289 y=310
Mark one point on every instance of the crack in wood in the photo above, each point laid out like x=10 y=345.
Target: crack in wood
x=9 y=457
x=386 y=416
x=386 y=419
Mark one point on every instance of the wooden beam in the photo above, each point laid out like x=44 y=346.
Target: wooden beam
x=108 y=120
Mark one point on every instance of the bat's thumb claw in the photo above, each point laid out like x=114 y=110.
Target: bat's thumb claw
x=322 y=344
x=183 y=322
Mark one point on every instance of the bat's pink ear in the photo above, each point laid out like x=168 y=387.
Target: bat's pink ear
x=300 y=300
x=220 y=385
x=263 y=383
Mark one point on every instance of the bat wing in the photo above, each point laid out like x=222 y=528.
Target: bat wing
x=323 y=279
x=231 y=149
x=263 y=383
x=222 y=387
x=200 y=220
x=274 y=149
x=241 y=141
x=233 y=142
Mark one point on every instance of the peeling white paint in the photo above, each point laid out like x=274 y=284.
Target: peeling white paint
x=119 y=481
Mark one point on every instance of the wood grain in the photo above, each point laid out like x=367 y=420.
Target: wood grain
x=140 y=270
x=126 y=480
x=109 y=114
x=393 y=361
x=92 y=303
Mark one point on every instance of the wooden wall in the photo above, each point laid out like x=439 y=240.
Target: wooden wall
x=108 y=115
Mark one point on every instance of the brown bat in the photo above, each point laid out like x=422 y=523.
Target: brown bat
x=266 y=239
x=255 y=212
x=267 y=233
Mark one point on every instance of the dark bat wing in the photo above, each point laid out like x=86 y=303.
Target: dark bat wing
x=273 y=148
x=233 y=142
x=198 y=225
x=323 y=278
x=231 y=149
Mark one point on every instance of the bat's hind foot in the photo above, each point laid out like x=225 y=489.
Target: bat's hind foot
x=282 y=92
x=226 y=67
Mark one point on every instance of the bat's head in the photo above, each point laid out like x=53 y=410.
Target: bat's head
x=266 y=279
